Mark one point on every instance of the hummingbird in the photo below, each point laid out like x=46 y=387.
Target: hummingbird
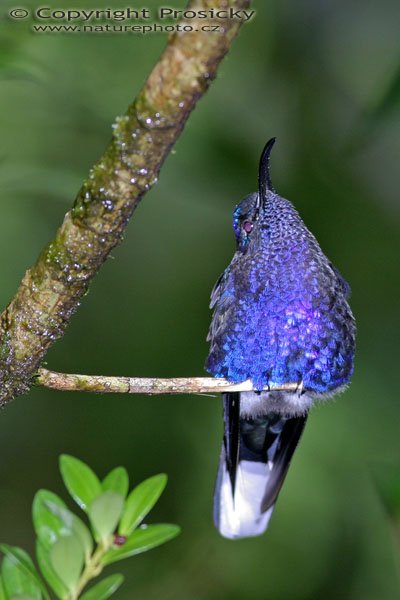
x=281 y=316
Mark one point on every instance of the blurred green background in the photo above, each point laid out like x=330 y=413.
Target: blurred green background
x=322 y=77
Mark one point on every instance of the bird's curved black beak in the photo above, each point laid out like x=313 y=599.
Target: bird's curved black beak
x=264 y=180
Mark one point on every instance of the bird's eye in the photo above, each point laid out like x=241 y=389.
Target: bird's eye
x=247 y=226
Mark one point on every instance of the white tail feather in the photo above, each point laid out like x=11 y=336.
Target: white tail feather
x=240 y=515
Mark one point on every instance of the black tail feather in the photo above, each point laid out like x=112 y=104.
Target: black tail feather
x=288 y=439
x=231 y=433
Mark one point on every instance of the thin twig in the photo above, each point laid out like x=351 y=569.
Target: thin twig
x=52 y=289
x=143 y=385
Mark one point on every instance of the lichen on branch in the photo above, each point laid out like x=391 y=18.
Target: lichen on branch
x=51 y=290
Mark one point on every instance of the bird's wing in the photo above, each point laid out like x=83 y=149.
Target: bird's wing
x=346 y=289
x=222 y=299
x=216 y=291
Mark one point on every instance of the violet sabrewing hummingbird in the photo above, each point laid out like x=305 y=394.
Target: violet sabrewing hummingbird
x=281 y=316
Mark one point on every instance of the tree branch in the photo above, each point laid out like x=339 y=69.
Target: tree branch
x=51 y=290
x=139 y=385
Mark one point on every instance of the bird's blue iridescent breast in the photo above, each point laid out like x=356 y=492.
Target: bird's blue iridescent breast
x=280 y=309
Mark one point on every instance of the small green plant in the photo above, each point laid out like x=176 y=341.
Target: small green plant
x=69 y=555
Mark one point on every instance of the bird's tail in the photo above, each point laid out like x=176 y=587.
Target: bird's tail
x=255 y=457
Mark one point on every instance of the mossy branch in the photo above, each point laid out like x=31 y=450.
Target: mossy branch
x=147 y=385
x=51 y=290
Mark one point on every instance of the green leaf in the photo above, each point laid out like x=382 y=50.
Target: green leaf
x=23 y=562
x=52 y=520
x=105 y=512
x=48 y=526
x=74 y=525
x=140 y=501
x=104 y=589
x=116 y=481
x=17 y=578
x=66 y=557
x=43 y=558
x=79 y=479
x=141 y=540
